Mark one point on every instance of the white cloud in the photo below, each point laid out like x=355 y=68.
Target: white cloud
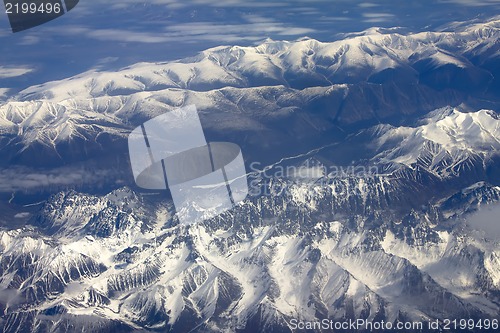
x=256 y=29
x=3 y=92
x=9 y=72
x=367 y=5
x=473 y=3
x=26 y=179
x=22 y=215
x=127 y=36
x=29 y=40
x=486 y=220
x=377 y=17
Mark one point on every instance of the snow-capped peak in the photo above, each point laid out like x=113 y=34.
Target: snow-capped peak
x=444 y=138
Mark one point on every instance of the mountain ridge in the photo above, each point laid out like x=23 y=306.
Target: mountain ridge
x=372 y=221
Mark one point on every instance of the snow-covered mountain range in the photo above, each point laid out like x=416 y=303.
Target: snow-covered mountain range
x=410 y=119
x=298 y=92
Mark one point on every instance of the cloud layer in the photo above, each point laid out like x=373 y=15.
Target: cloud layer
x=8 y=72
x=486 y=221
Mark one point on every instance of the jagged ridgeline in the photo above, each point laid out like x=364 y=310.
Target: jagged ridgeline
x=394 y=144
